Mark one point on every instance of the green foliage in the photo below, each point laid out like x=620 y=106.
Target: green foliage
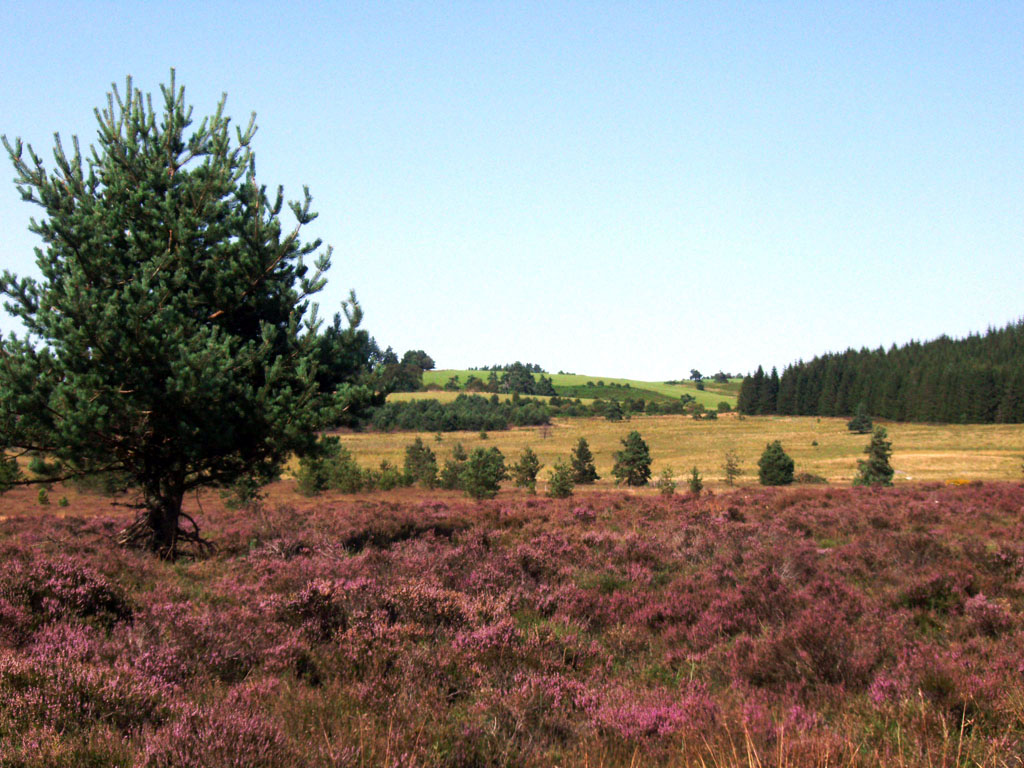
x=666 y=482
x=876 y=470
x=731 y=467
x=583 y=470
x=451 y=474
x=613 y=411
x=775 y=467
x=560 y=483
x=860 y=423
x=524 y=471
x=43 y=497
x=695 y=483
x=633 y=462
x=329 y=465
x=9 y=472
x=483 y=472
x=169 y=335
x=245 y=492
x=420 y=464
x=63 y=502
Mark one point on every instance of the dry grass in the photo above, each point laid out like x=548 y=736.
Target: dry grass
x=922 y=452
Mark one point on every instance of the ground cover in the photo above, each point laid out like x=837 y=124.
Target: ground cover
x=789 y=627
x=820 y=446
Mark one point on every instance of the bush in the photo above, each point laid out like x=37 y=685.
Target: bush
x=483 y=472
x=861 y=422
x=560 y=484
x=633 y=462
x=329 y=465
x=724 y=407
x=808 y=478
x=775 y=467
x=420 y=464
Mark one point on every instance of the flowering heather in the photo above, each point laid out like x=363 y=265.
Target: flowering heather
x=790 y=627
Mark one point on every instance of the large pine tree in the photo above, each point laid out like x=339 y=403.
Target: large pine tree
x=168 y=335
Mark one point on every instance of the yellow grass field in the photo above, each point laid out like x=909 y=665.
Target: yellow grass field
x=922 y=452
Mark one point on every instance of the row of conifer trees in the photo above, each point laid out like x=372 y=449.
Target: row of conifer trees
x=978 y=379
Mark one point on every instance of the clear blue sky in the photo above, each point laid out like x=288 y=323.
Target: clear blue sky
x=607 y=188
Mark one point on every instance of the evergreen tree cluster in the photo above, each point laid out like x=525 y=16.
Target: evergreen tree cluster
x=975 y=380
x=466 y=412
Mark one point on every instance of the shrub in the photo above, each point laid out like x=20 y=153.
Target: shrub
x=524 y=471
x=560 y=484
x=724 y=407
x=633 y=462
x=483 y=472
x=809 y=478
x=420 y=464
x=775 y=467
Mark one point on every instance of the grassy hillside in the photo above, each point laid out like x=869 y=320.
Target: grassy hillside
x=576 y=385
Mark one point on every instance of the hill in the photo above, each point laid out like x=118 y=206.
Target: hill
x=611 y=388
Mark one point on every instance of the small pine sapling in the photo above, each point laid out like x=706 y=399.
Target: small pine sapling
x=695 y=482
x=876 y=470
x=666 y=483
x=560 y=484
x=524 y=471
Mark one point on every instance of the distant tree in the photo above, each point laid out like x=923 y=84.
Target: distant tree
x=700 y=386
x=695 y=482
x=613 y=411
x=544 y=386
x=666 y=482
x=420 y=464
x=419 y=358
x=583 y=470
x=775 y=467
x=452 y=385
x=721 y=378
x=560 y=484
x=483 y=472
x=695 y=375
x=731 y=467
x=524 y=471
x=876 y=469
x=860 y=423
x=633 y=462
x=724 y=407
x=518 y=378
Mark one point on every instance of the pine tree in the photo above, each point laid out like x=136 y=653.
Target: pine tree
x=168 y=336
x=633 y=462
x=524 y=471
x=731 y=467
x=483 y=472
x=861 y=422
x=695 y=483
x=420 y=464
x=583 y=470
x=876 y=469
x=775 y=467
x=560 y=483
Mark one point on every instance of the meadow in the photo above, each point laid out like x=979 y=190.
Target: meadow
x=819 y=446
x=759 y=627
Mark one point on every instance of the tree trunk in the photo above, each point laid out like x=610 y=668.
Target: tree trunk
x=162 y=514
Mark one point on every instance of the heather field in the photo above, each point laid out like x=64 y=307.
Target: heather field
x=793 y=627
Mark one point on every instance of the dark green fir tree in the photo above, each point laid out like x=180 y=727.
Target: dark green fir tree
x=775 y=467
x=876 y=470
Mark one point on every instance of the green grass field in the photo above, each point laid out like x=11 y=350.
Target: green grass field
x=922 y=452
x=710 y=397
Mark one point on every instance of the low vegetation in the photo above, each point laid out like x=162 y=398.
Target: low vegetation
x=851 y=627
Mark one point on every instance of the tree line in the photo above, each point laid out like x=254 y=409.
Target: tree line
x=975 y=380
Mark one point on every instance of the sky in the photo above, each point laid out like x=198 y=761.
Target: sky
x=608 y=188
